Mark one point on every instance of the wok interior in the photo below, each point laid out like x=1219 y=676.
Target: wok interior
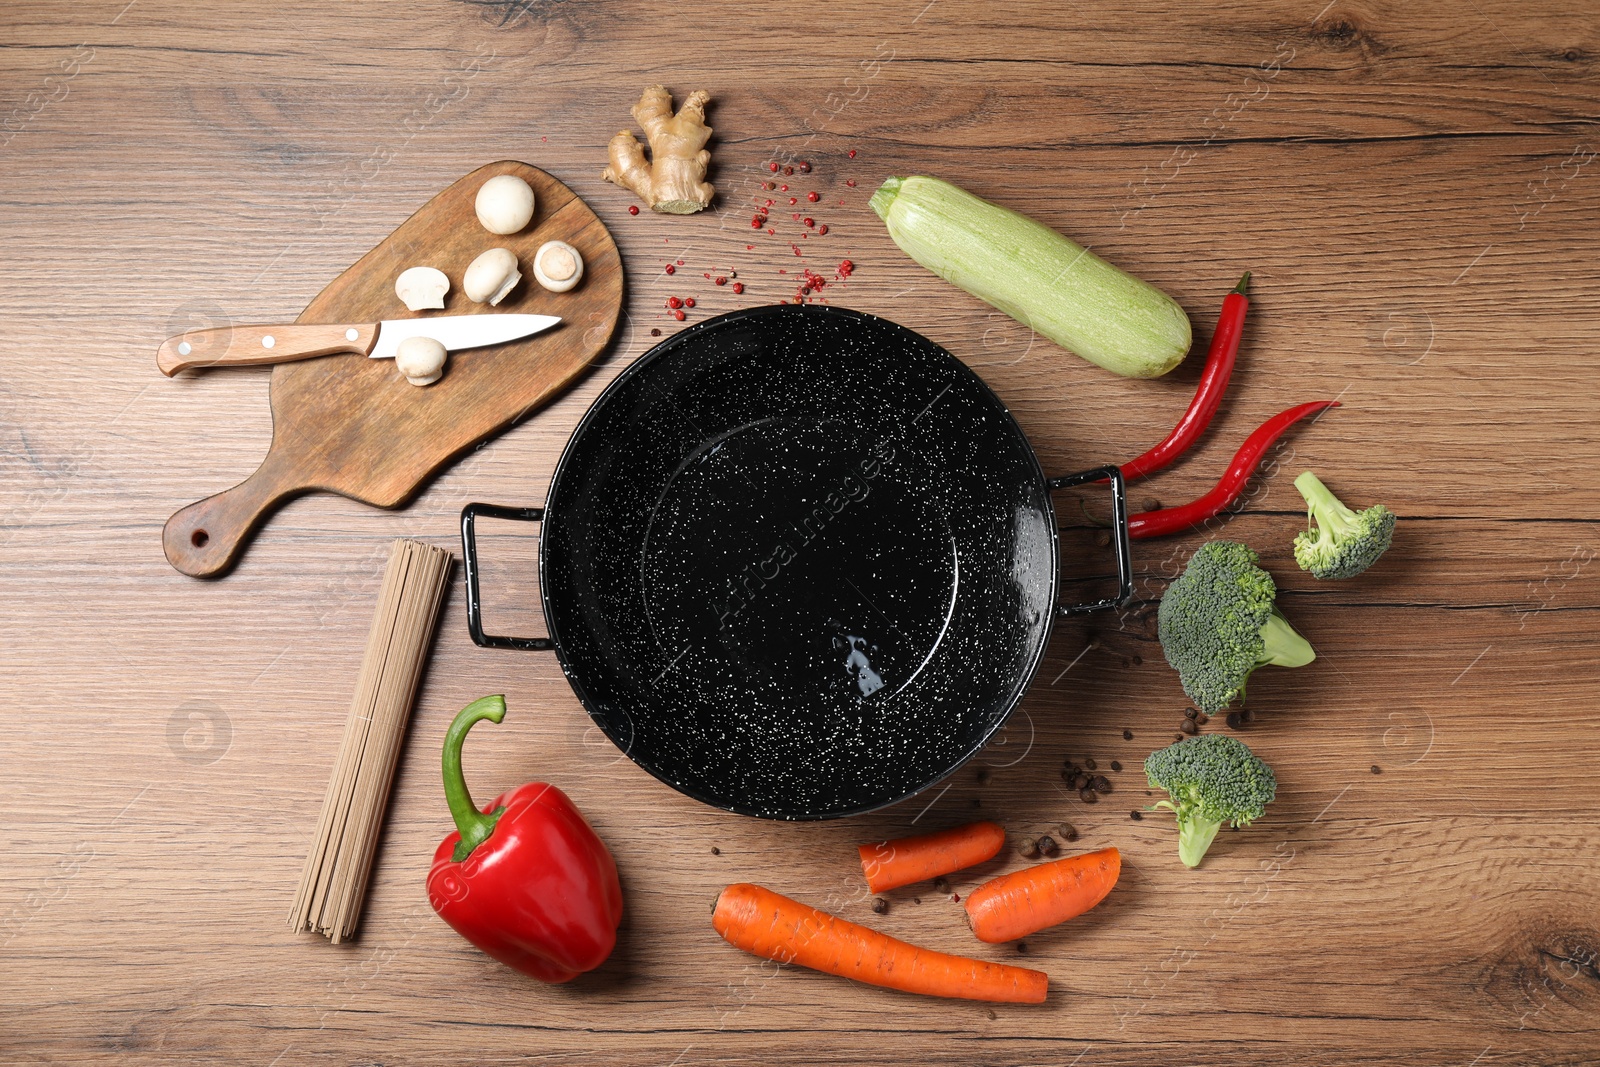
x=799 y=562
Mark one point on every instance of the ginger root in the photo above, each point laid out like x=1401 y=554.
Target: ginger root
x=674 y=180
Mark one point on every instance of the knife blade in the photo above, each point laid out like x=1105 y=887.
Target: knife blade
x=244 y=346
x=457 y=332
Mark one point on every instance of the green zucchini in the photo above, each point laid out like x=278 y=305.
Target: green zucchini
x=1058 y=289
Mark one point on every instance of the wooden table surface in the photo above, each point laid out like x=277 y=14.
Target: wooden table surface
x=1415 y=187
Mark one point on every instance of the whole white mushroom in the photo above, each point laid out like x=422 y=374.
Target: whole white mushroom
x=557 y=266
x=491 y=276
x=504 y=204
x=420 y=359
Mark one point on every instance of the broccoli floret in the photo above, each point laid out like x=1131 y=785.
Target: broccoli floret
x=1218 y=623
x=1341 y=543
x=1212 y=779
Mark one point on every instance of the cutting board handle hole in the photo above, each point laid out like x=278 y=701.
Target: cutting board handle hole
x=199 y=538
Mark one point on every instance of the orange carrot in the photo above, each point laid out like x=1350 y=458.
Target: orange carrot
x=767 y=924
x=1018 y=904
x=892 y=864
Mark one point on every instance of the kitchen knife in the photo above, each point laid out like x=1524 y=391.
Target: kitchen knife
x=246 y=346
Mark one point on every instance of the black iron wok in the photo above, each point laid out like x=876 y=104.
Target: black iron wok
x=798 y=562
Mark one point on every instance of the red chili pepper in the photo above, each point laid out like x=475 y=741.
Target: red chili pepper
x=1173 y=520
x=1208 y=395
x=526 y=879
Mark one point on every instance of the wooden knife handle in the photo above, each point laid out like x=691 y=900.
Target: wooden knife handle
x=248 y=346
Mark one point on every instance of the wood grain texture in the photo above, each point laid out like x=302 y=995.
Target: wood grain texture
x=355 y=426
x=1415 y=189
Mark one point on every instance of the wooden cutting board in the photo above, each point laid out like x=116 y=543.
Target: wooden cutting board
x=352 y=425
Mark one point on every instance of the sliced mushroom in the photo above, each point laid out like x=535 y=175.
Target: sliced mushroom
x=491 y=276
x=420 y=359
x=504 y=204
x=421 y=288
x=557 y=266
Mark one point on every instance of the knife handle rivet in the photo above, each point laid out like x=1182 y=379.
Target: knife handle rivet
x=351 y=334
x=268 y=341
x=184 y=348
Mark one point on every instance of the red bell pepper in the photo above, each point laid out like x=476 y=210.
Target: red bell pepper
x=526 y=879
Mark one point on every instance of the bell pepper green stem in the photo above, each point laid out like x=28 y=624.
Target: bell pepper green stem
x=474 y=825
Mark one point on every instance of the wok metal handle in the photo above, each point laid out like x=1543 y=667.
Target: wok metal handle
x=1119 y=538
x=469 y=551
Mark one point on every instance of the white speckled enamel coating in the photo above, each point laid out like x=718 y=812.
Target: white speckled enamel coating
x=799 y=562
